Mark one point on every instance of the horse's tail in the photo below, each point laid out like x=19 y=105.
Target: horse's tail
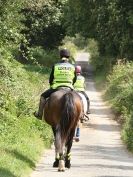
x=68 y=115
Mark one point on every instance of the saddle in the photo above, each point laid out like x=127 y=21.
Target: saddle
x=64 y=88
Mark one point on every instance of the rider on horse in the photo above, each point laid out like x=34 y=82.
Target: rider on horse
x=62 y=75
x=79 y=86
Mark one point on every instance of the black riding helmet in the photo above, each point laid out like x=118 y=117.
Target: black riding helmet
x=64 y=53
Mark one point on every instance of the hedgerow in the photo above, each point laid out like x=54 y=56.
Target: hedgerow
x=120 y=94
x=22 y=137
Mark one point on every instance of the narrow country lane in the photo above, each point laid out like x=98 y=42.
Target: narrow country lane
x=100 y=151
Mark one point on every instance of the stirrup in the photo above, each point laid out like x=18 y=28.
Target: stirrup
x=87 y=117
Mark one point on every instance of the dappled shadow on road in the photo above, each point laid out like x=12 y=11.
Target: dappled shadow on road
x=100 y=110
x=121 y=167
x=6 y=173
x=104 y=166
x=102 y=127
x=104 y=152
x=90 y=86
x=98 y=107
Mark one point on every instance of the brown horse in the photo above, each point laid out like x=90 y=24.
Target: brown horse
x=63 y=111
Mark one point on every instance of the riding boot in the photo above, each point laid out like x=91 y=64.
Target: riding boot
x=86 y=116
x=39 y=113
x=88 y=102
x=88 y=106
x=77 y=134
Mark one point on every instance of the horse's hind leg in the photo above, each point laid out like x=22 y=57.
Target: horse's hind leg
x=68 y=149
x=56 y=162
x=61 y=162
x=59 y=157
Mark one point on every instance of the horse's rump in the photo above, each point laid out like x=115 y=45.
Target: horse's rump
x=63 y=108
x=52 y=107
x=62 y=98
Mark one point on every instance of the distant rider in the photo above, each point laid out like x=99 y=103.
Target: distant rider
x=80 y=86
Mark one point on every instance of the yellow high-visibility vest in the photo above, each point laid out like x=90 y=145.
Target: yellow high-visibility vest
x=79 y=85
x=64 y=74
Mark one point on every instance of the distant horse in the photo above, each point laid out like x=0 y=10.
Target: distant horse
x=84 y=118
x=63 y=111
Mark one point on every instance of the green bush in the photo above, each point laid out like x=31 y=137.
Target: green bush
x=100 y=63
x=120 y=84
x=120 y=94
x=79 y=41
x=92 y=48
x=127 y=132
x=43 y=57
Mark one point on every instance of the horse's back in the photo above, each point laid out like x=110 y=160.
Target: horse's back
x=58 y=94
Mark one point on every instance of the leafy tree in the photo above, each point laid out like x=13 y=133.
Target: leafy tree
x=108 y=21
x=10 y=22
x=44 y=23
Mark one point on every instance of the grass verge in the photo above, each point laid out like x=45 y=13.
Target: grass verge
x=22 y=137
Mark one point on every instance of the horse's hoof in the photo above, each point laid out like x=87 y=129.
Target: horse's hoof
x=56 y=163
x=67 y=164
